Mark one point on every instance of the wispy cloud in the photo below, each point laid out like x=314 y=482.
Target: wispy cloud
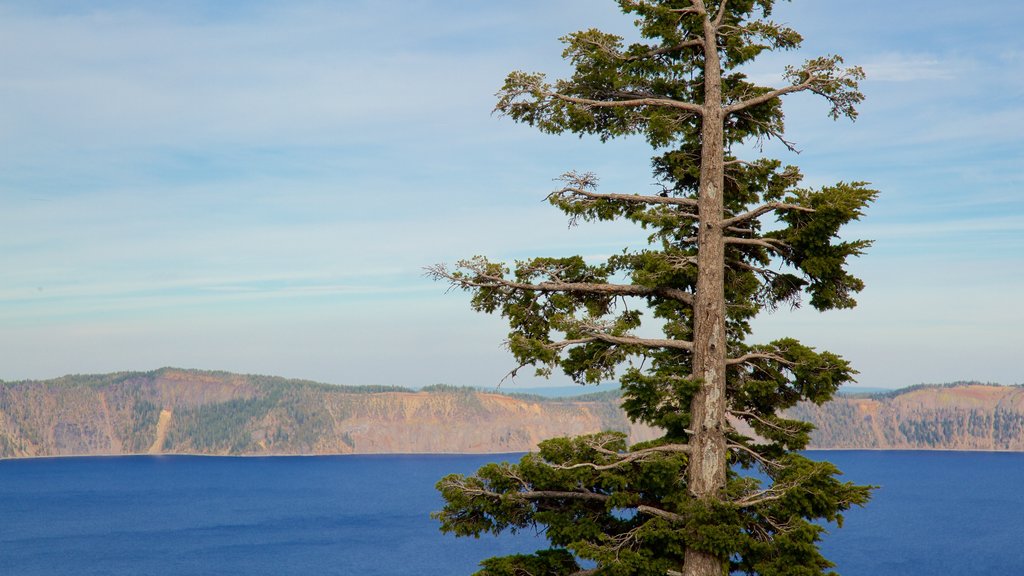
x=901 y=67
x=183 y=183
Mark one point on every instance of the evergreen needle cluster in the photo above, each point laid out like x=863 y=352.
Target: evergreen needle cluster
x=725 y=490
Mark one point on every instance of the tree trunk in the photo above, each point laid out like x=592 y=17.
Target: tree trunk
x=706 y=471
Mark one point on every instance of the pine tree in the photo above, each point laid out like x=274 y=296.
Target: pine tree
x=725 y=490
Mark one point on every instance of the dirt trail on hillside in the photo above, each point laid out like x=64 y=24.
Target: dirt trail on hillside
x=161 y=431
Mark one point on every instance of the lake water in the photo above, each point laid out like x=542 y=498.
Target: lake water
x=950 y=513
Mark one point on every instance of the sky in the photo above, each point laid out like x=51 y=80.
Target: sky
x=257 y=186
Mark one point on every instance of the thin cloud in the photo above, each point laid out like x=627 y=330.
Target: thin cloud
x=899 y=67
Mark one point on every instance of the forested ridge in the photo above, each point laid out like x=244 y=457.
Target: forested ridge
x=225 y=413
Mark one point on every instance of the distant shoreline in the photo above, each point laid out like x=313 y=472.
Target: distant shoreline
x=303 y=455
x=310 y=455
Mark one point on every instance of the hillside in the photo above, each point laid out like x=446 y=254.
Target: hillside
x=187 y=411
x=962 y=416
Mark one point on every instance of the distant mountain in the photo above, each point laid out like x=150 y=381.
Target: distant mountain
x=188 y=411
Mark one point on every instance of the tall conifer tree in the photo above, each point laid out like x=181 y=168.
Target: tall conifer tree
x=682 y=504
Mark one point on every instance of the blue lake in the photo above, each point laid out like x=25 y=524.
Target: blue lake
x=950 y=513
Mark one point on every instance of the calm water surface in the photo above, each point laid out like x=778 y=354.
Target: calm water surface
x=956 y=514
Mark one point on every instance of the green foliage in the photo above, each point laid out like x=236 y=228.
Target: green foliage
x=629 y=509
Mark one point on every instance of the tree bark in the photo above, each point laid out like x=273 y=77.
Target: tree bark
x=706 y=470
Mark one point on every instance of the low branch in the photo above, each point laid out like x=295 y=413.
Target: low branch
x=763 y=209
x=534 y=495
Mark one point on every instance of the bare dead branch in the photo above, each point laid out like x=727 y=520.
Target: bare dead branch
x=634 y=198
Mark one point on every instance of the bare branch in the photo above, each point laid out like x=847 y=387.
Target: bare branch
x=763 y=209
x=636 y=198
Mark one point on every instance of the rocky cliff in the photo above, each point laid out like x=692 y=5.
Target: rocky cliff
x=187 y=411
x=961 y=416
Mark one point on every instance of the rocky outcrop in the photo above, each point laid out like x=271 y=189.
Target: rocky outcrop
x=186 y=411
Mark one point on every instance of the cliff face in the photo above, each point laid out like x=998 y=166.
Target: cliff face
x=179 y=411
x=957 y=417
x=185 y=411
